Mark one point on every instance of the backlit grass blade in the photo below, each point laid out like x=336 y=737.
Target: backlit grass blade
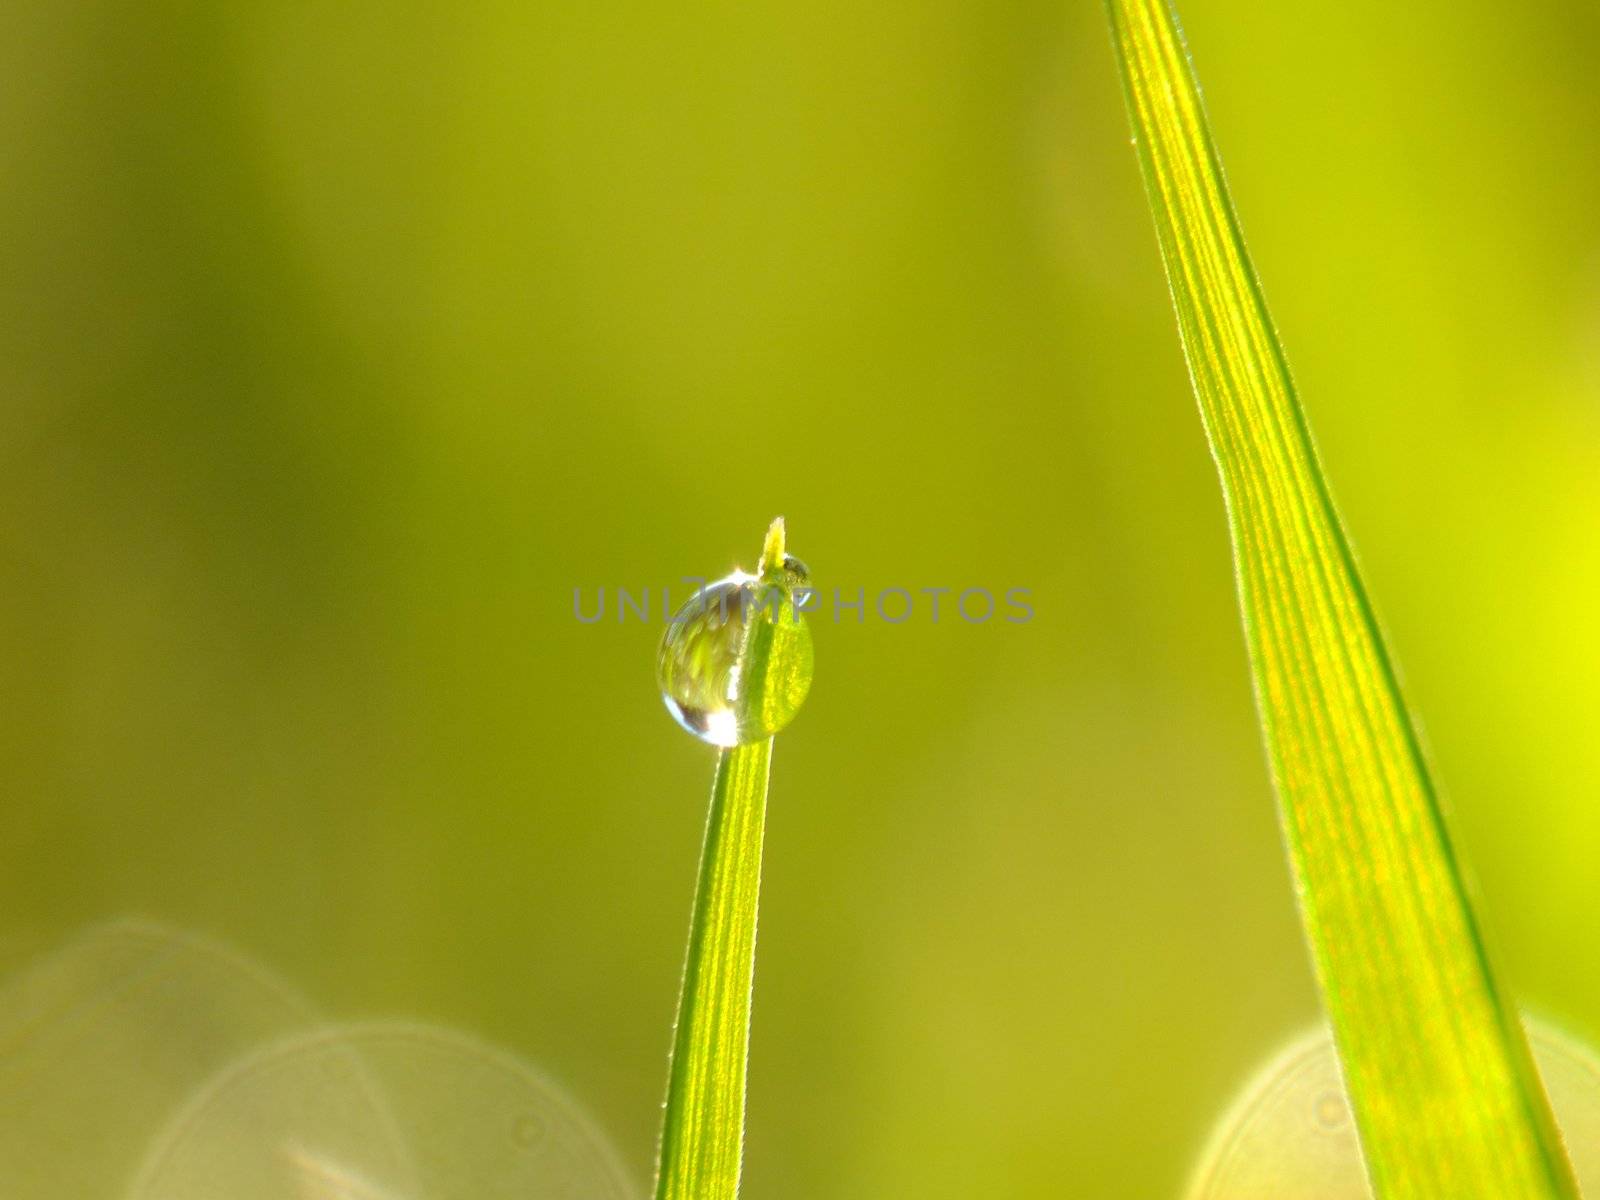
x=702 y=1135
x=753 y=656
x=1446 y=1097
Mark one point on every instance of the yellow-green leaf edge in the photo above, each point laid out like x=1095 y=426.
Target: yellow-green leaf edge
x=1447 y=1101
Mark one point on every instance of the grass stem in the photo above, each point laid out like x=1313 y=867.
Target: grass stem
x=702 y=1134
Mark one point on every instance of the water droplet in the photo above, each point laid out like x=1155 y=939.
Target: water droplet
x=736 y=660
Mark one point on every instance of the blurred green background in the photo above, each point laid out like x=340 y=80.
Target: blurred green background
x=340 y=343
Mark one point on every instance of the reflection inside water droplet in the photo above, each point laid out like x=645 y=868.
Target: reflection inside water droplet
x=1290 y=1134
x=735 y=662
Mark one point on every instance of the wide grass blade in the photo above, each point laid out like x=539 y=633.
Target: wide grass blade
x=702 y=1135
x=1446 y=1097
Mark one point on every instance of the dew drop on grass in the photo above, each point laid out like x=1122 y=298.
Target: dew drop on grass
x=1290 y=1133
x=735 y=662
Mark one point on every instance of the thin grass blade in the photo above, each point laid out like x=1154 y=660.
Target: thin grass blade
x=702 y=1135
x=1446 y=1097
